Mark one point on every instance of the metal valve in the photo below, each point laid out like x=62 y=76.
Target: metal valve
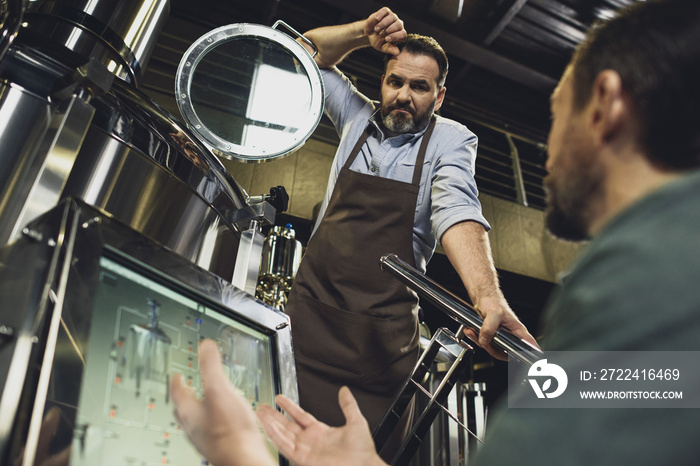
x=278 y=198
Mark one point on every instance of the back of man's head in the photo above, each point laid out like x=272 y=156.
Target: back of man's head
x=655 y=48
x=417 y=44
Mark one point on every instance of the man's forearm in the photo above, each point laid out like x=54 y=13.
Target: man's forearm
x=467 y=247
x=335 y=42
x=381 y=30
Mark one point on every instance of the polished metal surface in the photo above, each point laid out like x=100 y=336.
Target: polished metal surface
x=122 y=33
x=60 y=146
x=74 y=129
x=11 y=15
x=250 y=246
x=71 y=132
x=84 y=282
x=250 y=92
x=131 y=159
x=134 y=120
x=129 y=185
x=26 y=302
x=430 y=386
x=26 y=119
x=259 y=211
x=281 y=256
x=457 y=309
x=472 y=397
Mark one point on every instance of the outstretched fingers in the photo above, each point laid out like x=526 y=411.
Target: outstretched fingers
x=279 y=429
x=295 y=412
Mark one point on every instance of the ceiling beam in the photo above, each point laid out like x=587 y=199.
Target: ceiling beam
x=505 y=20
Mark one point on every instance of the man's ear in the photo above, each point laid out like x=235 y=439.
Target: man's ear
x=610 y=111
x=440 y=98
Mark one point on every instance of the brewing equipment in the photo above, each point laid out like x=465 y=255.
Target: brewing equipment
x=249 y=91
x=281 y=258
x=77 y=126
x=126 y=241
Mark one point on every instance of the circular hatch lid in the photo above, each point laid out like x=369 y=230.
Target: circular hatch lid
x=249 y=92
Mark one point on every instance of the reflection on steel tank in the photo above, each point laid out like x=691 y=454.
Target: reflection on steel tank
x=76 y=125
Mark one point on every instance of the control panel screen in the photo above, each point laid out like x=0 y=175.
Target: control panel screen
x=144 y=330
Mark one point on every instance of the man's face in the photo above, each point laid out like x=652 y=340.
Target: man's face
x=410 y=93
x=574 y=184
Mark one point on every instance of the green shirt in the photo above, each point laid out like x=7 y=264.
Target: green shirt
x=635 y=288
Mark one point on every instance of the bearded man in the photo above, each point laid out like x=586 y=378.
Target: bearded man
x=402 y=180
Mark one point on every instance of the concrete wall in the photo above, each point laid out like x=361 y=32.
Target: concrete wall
x=304 y=174
x=519 y=240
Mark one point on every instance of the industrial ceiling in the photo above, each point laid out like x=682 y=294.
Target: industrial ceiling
x=505 y=56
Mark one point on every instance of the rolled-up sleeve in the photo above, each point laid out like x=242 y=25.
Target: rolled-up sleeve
x=342 y=101
x=454 y=194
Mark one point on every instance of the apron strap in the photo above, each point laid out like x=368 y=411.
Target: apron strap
x=418 y=170
x=356 y=149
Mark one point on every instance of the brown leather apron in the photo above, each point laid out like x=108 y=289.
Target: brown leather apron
x=352 y=323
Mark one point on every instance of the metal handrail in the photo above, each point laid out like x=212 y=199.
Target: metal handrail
x=517 y=349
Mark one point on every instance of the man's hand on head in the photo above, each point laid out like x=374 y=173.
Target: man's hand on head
x=384 y=30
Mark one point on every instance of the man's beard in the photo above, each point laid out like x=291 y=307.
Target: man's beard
x=401 y=123
x=571 y=204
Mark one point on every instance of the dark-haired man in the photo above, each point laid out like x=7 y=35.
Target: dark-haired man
x=624 y=169
x=402 y=180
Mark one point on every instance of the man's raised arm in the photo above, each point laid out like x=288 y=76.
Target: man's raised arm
x=381 y=30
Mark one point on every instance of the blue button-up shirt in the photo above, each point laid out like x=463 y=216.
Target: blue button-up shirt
x=448 y=193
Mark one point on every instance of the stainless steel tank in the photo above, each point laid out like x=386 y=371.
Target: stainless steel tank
x=75 y=130
x=74 y=124
x=121 y=35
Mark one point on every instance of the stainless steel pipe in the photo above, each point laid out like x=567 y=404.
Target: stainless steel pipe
x=457 y=309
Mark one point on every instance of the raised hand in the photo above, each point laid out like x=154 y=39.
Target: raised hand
x=384 y=29
x=308 y=442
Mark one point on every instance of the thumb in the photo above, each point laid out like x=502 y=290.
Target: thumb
x=349 y=406
x=390 y=49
